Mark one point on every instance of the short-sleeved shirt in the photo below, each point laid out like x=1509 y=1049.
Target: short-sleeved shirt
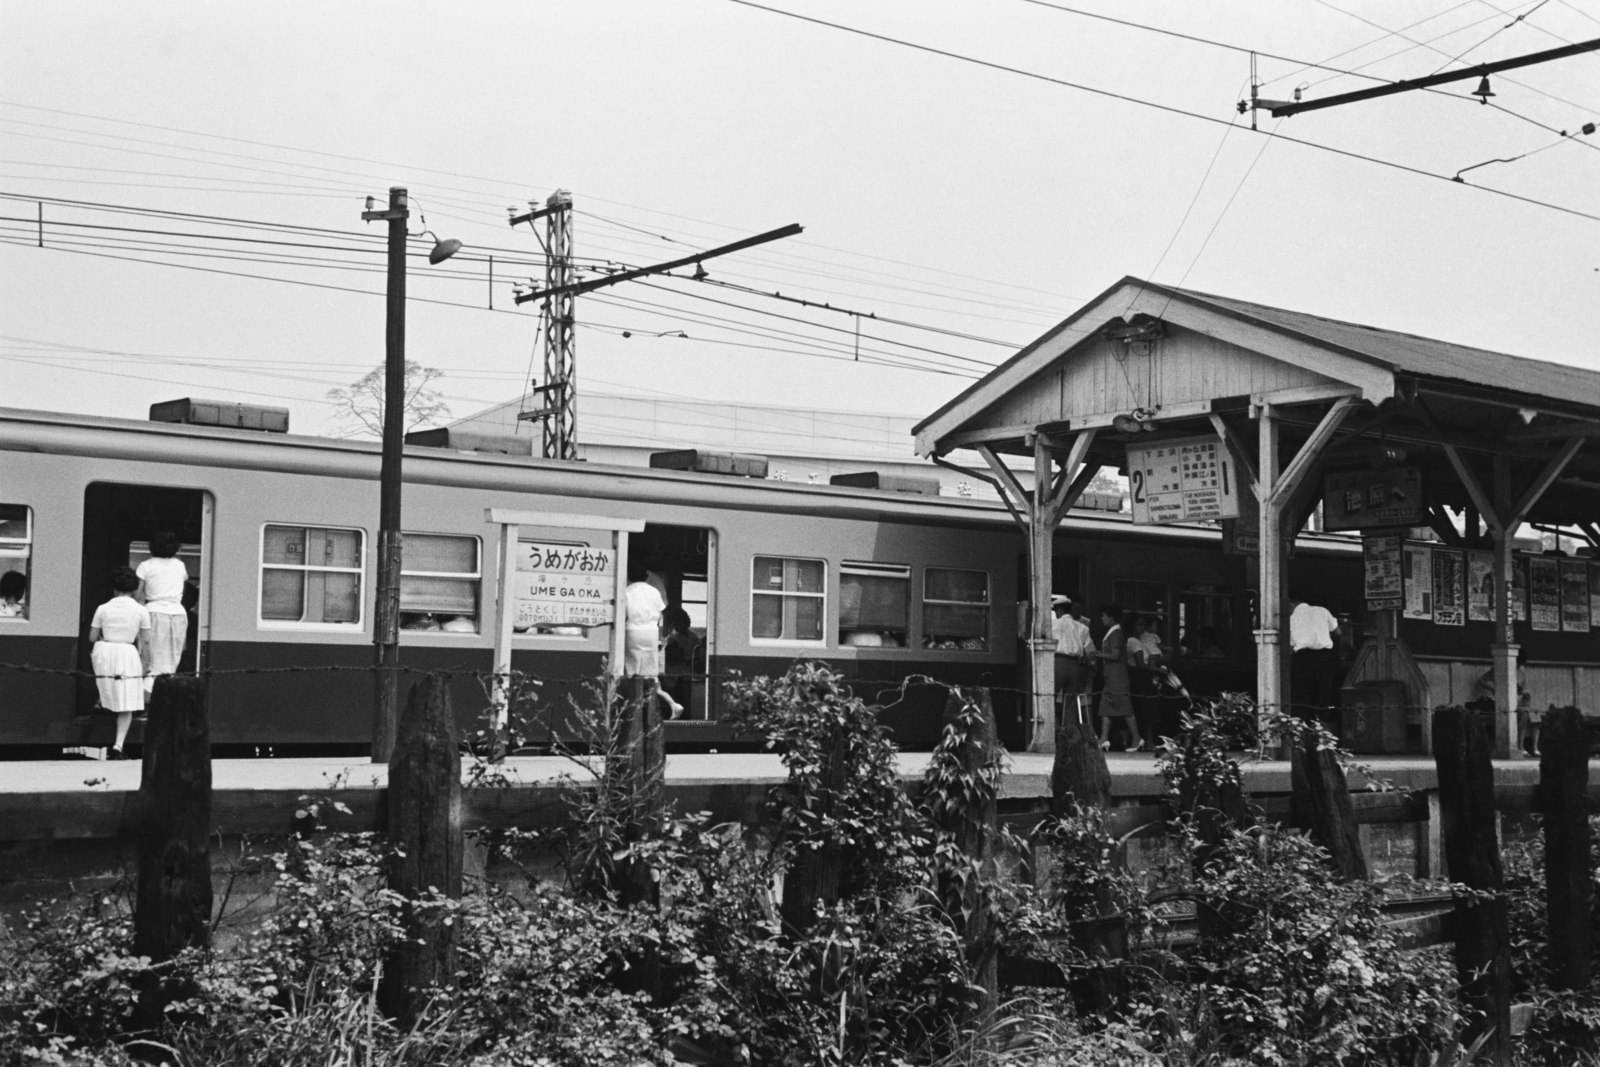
x=1311 y=628
x=163 y=579
x=1072 y=636
x=643 y=605
x=120 y=619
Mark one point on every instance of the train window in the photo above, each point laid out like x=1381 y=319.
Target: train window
x=955 y=609
x=874 y=604
x=788 y=599
x=439 y=579
x=1206 y=623
x=311 y=574
x=1142 y=598
x=16 y=553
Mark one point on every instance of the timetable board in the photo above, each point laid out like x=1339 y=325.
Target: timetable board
x=1182 y=479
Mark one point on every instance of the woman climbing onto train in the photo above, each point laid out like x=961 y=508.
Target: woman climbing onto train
x=161 y=581
x=120 y=631
x=1116 y=700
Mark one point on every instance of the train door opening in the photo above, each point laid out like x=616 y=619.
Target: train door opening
x=119 y=522
x=681 y=560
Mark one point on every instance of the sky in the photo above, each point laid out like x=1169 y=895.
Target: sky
x=974 y=170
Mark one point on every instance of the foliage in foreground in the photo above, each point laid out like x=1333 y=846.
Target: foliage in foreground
x=882 y=968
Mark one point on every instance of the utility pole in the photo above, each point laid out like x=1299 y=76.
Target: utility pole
x=559 y=390
x=386 y=609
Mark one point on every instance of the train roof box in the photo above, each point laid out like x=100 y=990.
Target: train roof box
x=221 y=413
x=890 y=483
x=740 y=464
x=504 y=444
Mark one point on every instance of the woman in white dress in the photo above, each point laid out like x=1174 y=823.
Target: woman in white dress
x=161 y=581
x=120 y=631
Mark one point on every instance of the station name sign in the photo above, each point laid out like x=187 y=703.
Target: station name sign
x=1182 y=479
x=564 y=585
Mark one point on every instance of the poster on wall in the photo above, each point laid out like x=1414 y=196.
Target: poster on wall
x=1449 y=594
x=1575 y=595
x=1519 y=589
x=1480 y=587
x=1594 y=597
x=1417 y=562
x=1385 y=585
x=1544 y=593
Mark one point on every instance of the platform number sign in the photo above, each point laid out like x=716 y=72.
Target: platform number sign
x=1183 y=479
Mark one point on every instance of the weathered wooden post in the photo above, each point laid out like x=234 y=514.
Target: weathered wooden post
x=965 y=807
x=172 y=908
x=640 y=776
x=1078 y=775
x=814 y=874
x=424 y=825
x=1320 y=802
x=1568 y=881
x=1461 y=748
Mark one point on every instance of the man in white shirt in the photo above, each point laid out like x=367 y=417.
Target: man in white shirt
x=1313 y=664
x=1073 y=647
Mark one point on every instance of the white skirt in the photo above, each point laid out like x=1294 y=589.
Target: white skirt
x=641 y=652
x=112 y=658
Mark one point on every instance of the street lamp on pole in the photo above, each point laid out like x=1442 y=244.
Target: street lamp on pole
x=386 y=613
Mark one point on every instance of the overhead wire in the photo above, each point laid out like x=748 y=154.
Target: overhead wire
x=1154 y=105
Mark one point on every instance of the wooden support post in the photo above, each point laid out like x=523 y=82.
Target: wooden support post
x=1472 y=847
x=424 y=826
x=641 y=758
x=972 y=820
x=172 y=906
x=1568 y=874
x=1321 y=804
x=1079 y=775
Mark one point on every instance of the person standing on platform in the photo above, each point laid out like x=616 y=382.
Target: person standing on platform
x=1073 y=651
x=643 y=606
x=1145 y=656
x=1116 y=701
x=161 y=581
x=120 y=631
x=1313 y=663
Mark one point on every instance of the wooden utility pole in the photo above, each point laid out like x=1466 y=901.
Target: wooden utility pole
x=1568 y=873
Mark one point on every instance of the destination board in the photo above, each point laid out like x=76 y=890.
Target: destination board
x=563 y=585
x=1183 y=479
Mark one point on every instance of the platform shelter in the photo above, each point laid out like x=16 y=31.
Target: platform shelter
x=1388 y=431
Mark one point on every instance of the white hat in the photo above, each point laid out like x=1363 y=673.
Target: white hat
x=1057 y=599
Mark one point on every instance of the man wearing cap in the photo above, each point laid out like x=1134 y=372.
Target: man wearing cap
x=1073 y=646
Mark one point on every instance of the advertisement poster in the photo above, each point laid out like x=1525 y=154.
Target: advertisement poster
x=1519 y=589
x=1544 y=593
x=1594 y=597
x=1575 y=595
x=1417 y=561
x=1449 y=592
x=1385 y=584
x=1480 y=587
x=1182 y=480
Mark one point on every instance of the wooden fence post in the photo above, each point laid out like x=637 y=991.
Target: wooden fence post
x=1569 y=888
x=974 y=823
x=641 y=779
x=424 y=825
x=1320 y=802
x=1078 y=775
x=172 y=907
x=1462 y=745
x=814 y=874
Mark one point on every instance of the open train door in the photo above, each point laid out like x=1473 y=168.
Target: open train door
x=118 y=522
x=681 y=562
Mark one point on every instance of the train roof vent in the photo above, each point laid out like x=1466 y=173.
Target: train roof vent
x=740 y=464
x=1099 y=501
x=221 y=413
x=890 y=483
x=467 y=441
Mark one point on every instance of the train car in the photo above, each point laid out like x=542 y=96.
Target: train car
x=279 y=536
